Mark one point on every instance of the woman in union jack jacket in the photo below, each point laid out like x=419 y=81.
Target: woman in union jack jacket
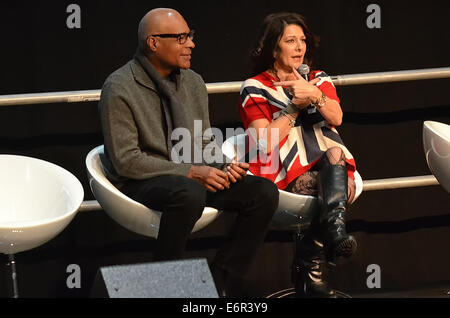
x=293 y=114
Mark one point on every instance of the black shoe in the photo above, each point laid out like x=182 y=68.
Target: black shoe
x=227 y=285
x=219 y=276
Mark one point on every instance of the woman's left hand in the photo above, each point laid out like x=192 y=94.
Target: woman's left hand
x=303 y=93
x=236 y=170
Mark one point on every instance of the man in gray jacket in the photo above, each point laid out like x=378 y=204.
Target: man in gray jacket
x=141 y=105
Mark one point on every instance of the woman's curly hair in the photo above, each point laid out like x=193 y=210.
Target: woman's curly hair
x=271 y=31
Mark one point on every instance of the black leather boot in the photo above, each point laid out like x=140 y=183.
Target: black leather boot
x=309 y=270
x=333 y=180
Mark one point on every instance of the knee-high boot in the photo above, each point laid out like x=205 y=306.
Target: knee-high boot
x=333 y=180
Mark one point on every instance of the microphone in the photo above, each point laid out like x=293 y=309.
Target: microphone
x=304 y=71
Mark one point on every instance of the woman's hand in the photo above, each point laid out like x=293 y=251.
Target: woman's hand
x=236 y=170
x=303 y=93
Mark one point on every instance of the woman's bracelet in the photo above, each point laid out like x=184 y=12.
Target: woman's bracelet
x=291 y=120
x=321 y=101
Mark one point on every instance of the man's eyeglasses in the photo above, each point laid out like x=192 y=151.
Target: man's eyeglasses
x=181 y=37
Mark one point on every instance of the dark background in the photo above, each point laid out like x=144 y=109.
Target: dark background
x=406 y=232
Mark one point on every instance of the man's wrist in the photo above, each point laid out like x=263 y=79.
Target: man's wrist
x=191 y=172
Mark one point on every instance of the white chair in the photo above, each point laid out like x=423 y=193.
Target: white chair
x=436 y=144
x=294 y=211
x=132 y=215
x=38 y=200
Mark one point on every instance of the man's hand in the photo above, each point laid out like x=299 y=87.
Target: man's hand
x=236 y=170
x=303 y=92
x=211 y=178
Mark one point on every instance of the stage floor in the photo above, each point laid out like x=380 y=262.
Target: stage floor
x=436 y=291
x=432 y=291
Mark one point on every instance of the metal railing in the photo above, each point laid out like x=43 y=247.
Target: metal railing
x=368 y=185
x=232 y=87
x=389 y=77
x=398 y=183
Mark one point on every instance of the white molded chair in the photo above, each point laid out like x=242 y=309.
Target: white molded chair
x=436 y=144
x=293 y=209
x=38 y=199
x=132 y=215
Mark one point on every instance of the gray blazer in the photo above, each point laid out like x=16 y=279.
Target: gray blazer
x=133 y=122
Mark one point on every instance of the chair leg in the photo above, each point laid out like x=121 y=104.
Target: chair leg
x=295 y=273
x=11 y=277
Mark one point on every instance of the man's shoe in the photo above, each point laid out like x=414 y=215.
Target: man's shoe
x=227 y=285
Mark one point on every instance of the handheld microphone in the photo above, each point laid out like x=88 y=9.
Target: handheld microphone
x=304 y=71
